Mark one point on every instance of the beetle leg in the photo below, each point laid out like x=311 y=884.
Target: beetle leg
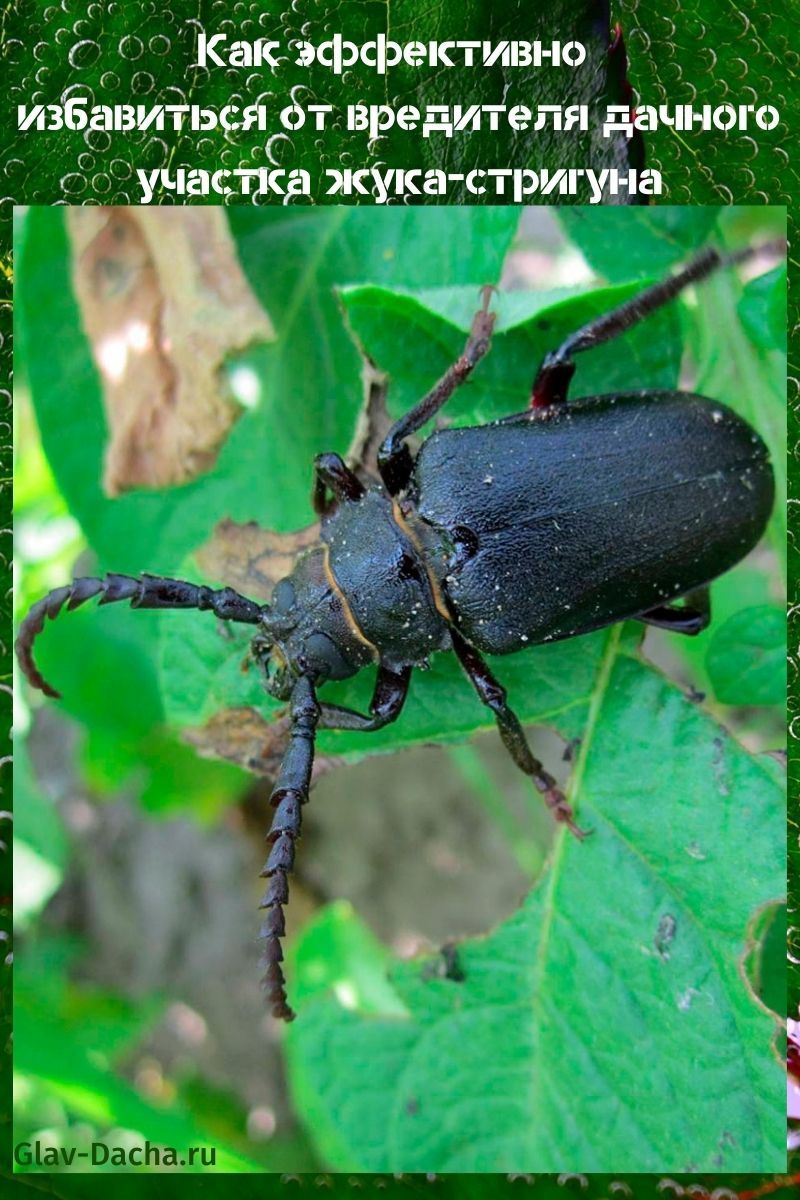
x=150 y=591
x=690 y=619
x=552 y=381
x=388 y=698
x=394 y=457
x=493 y=695
x=288 y=795
x=331 y=472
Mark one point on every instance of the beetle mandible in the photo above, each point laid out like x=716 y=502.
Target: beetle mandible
x=546 y=524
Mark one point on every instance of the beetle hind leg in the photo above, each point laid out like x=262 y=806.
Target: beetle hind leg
x=493 y=695
x=551 y=384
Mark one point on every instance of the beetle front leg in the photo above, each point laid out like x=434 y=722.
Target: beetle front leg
x=388 y=698
x=689 y=619
x=332 y=473
x=394 y=457
x=288 y=796
x=493 y=695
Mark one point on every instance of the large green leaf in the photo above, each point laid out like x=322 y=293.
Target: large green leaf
x=593 y=1026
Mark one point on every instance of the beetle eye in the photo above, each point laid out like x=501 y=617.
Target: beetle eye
x=283 y=596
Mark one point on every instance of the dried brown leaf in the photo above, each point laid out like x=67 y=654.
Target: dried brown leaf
x=163 y=301
x=372 y=426
x=252 y=559
x=244 y=737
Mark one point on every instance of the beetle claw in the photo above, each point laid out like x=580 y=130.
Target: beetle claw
x=577 y=832
x=557 y=803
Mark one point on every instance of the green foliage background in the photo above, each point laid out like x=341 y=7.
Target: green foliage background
x=587 y=1029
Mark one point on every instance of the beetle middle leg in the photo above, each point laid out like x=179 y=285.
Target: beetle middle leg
x=394 y=458
x=388 y=698
x=493 y=695
x=690 y=619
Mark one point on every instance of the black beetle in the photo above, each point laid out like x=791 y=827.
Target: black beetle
x=544 y=525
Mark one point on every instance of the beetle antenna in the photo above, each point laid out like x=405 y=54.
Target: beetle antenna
x=150 y=591
x=288 y=795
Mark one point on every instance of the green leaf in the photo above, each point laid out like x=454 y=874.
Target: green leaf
x=593 y=1025
x=529 y=324
x=747 y=655
x=762 y=310
x=767 y=968
x=653 y=239
x=340 y=954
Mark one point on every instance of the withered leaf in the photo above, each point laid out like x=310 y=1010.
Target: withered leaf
x=252 y=559
x=163 y=301
x=244 y=737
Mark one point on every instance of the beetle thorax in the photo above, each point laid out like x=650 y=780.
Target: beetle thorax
x=382 y=578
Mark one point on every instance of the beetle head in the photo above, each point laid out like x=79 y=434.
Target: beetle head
x=305 y=631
